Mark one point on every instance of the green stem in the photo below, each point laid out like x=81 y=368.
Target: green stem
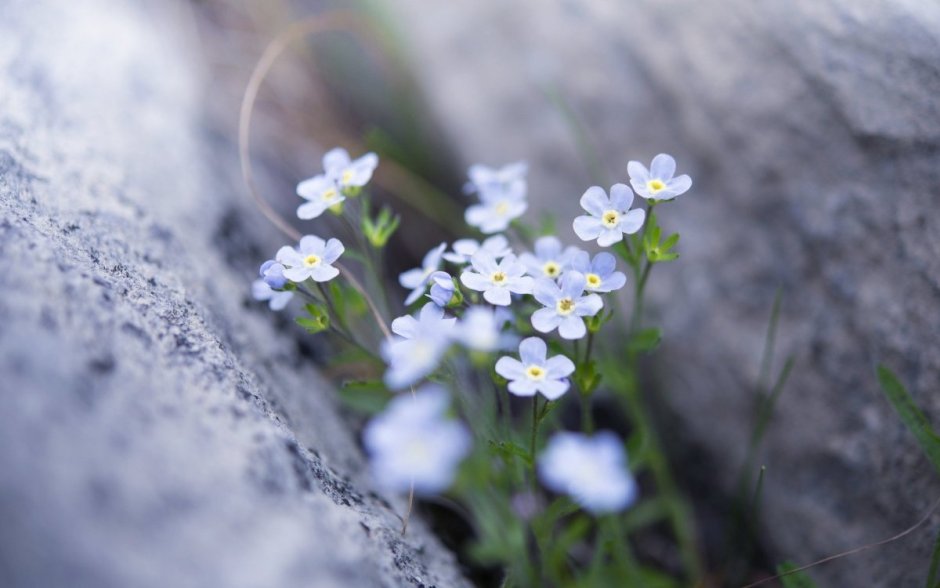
x=587 y=417
x=535 y=433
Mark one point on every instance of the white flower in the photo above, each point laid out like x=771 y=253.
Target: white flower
x=463 y=249
x=347 y=173
x=272 y=273
x=442 y=288
x=657 y=182
x=261 y=291
x=321 y=192
x=502 y=196
x=549 y=260
x=416 y=279
x=312 y=260
x=610 y=217
x=509 y=179
x=535 y=373
x=479 y=329
x=600 y=275
x=591 y=470
x=413 y=442
x=418 y=351
x=564 y=306
x=496 y=280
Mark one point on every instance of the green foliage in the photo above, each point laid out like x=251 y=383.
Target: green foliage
x=379 y=230
x=794 y=579
x=646 y=340
x=910 y=413
x=317 y=321
x=933 y=574
x=656 y=249
x=365 y=396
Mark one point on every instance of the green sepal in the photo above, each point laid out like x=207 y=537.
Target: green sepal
x=317 y=321
x=587 y=377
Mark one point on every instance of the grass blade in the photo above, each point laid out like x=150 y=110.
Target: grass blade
x=910 y=413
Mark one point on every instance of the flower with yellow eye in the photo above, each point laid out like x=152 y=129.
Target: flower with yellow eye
x=565 y=306
x=608 y=218
x=502 y=197
x=536 y=372
x=313 y=259
x=600 y=274
x=349 y=175
x=549 y=259
x=657 y=182
x=320 y=193
x=463 y=249
x=497 y=280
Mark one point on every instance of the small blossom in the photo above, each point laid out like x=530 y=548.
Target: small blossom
x=417 y=279
x=535 y=373
x=321 y=193
x=313 y=259
x=276 y=300
x=549 y=260
x=272 y=273
x=609 y=218
x=480 y=329
x=463 y=249
x=496 y=279
x=564 y=306
x=421 y=344
x=413 y=442
x=508 y=180
x=349 y=173
x=591 y=470
x=600 y=274
x=443 y=288
x=657 y=182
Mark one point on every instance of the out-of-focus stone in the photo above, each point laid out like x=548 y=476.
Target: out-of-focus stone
x=156 y=429
x=812 y=130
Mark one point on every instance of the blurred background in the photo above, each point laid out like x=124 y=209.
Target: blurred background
x=811 y=129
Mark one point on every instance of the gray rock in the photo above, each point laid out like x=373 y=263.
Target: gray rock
x=812 y=130
x=156 y=429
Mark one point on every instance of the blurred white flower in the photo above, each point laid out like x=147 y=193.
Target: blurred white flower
x=312 y=260
x=413 y=442
x=536 y=372
x=502 y=196
x=657 y=182
x=417 y=279
x=480 y=329
x=422 y=343
x=321 y=192
x=463 y=249
x=591 y=470
x=608 y=218
x=349 y=173
x=600 y=274
x=549 y=259
x=276 y=300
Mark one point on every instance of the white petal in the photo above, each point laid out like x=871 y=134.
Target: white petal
x=609 y=237
x=621 y=197
x=546 y=292
x=414 y=295
x=324 y=273
x=523 y=285
x=510 y=368
x=334 y=248
x=280 y=300
x=572 y=327
x=680 y=185
x=558 y=366
x=312 y=244
x=406 y=326
x=309 y=210
x=297 y=274
x=553 y=389
x=595 y=201
x=522 y=387
x=475 y=281
x=638 y=173
x=632 y=221
x=412 y=278
x=335 y=159
x=588 y=305
x=476 y=215
x=532 y=350
x=663 y=167
x=587 y=228
x=497 y=296
x=545 y=320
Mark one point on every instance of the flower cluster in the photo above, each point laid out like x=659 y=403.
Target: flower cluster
x=470 y=305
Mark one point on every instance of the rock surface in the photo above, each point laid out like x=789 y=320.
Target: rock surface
x=812 y=130
x=156 y=429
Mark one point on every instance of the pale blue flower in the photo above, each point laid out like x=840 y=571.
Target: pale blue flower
x=313 y=259
x=591 y=470
x=600 y=274
x=496 y=279
x=321 y=192
x=657 y=182
x=349 y=173
x=442 y=288
x=480 y=329
x=564 y=306
x=413 y=442
x=536 y=372
x=463 y=249
x=550 y=259
x=508 y=180
x=272 y=273
x=502 y=196
x=418 y=350
x=417 y=279
x=276 y=300
x=609 y=218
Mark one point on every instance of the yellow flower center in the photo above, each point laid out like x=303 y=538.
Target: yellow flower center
x=565 y=306
x=551 y=269
x=311 y=261
x=655 y=186
x=610 y=219
x=502 y=208
x=330 y=194
x=346 y=177
x=498 y=278
x=593 y=280
x=535 y=372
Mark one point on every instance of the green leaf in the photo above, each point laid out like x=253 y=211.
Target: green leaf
x=646 y=340
x=365 y=396
x=509 y=451
x=910 y=413
x=794 y=579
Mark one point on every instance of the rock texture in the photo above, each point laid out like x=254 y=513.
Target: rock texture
x=812 y=130
x=156 y=428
